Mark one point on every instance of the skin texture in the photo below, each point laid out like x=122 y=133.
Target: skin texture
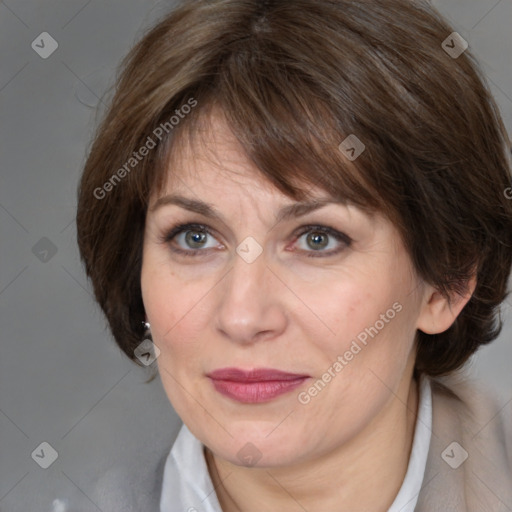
x=350 y=444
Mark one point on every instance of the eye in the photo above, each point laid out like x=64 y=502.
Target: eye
x=191 y=239
x=317 y=240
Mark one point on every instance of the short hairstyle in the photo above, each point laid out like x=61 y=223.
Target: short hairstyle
x=294 y=79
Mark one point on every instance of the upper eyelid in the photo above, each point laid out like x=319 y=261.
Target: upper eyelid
x=189 y=226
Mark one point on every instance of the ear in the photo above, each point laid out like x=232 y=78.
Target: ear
x=439 y=312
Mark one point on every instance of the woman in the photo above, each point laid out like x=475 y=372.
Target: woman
x=303 y=203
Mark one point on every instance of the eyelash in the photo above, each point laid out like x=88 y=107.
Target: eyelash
x=325 y=230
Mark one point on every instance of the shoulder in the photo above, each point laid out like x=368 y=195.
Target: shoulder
x=134 y=486
x=477 y=410
x=469 y=465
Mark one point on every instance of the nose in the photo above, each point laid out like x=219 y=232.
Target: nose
x=251 y=302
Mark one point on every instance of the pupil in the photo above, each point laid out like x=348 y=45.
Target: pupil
x=314 y=238
x=195 y=237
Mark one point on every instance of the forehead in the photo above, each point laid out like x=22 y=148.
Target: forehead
x=210 y=158
x=209 y=154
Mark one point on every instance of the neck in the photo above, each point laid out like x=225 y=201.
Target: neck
x=365 y=474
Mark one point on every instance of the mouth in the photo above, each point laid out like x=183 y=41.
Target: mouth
x=254 y=386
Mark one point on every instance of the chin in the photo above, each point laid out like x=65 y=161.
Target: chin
x=256 y=448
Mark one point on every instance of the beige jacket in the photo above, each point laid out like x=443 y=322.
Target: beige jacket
x=482 y=430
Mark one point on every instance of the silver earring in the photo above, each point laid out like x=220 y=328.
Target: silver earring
x=147 y=330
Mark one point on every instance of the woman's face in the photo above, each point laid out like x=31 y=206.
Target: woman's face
x=256 y=290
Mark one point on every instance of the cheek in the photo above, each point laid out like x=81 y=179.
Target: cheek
x=178 y=317
x=368 y=320
x=341 y=309
x=162 y=293
x=174 y=311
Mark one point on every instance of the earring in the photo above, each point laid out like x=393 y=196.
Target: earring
x=147 y=330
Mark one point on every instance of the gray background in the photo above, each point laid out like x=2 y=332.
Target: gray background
x=62 y=379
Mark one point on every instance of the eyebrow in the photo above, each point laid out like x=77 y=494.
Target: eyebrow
x=294 y=210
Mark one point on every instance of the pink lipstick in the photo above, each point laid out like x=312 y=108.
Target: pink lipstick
x=254 y=386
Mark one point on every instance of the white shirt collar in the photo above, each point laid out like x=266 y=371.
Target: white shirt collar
x=407 y=497
x=187 y=486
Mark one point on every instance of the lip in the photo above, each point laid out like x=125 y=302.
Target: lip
x=254 y=386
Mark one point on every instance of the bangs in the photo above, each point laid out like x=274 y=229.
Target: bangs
x=284 y=125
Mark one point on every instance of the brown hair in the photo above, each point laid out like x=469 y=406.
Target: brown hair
x=295 y=78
